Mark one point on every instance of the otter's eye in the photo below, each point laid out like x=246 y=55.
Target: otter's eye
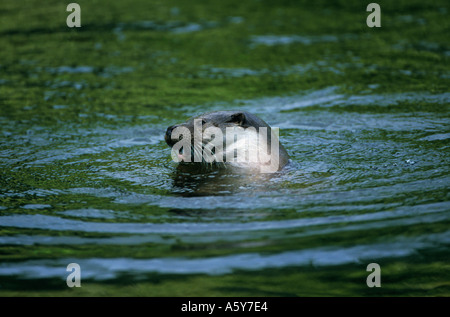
x=238 y=118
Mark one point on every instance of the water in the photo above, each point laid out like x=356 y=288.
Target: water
x=86 y=176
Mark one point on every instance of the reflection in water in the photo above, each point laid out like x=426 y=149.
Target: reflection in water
x=191 y=179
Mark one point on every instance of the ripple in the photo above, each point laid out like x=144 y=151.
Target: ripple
x=36 y=206
x=176 y=27
x=435 y=137
x=299 y=69
x=192 y=234
x=110 y=268
x=46 y=148
x=271 y=40
x=94 y=213
x=329 y=97
x=38 y=221
x=108 y=71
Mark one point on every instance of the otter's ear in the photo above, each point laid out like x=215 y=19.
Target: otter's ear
x=238 y=118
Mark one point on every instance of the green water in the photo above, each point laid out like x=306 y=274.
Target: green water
x=86 y=176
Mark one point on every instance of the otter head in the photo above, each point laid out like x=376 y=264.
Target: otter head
x=220 y=119
x=219 y=137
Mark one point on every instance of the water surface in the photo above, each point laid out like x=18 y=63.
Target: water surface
x=86 y=176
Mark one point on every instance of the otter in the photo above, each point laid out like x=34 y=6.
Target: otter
x=227 y=138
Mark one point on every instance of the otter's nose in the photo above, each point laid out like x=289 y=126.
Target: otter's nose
x=168 y=136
